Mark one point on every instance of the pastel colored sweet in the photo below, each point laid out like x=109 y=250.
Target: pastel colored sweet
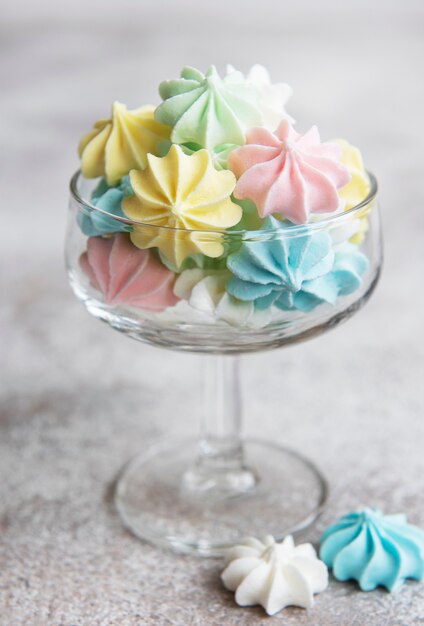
x=358 y=187
x=204 y=290
x=345 y=229
x=374 y=549
x=195 y=261
x=274 y=575
x=107 y=199
x=219 y=154
x=127 y=276
x=208 y=110
x=274 y=271
x=272 y=97
x=294 y=272
x=250 y=219
x=120 y=143
x=182 y=192
x=288 y=173
x=358 y=237
x=345 y=277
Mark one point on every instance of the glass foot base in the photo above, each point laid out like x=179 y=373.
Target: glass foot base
x=283 y=493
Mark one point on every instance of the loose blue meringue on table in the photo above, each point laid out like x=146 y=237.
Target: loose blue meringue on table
x=374 y=549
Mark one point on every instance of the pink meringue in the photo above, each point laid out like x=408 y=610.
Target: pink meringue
x=288 y=173
x=127 y=275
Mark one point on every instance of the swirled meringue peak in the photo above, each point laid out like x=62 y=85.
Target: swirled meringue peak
x=272 y=97
x=186 y=193
x=374 y=549
x=127 y=276
x=108 y=200
x=116 y=145
x=207 y=110
x=274 y=575
x=288 y=173
x=299 y=272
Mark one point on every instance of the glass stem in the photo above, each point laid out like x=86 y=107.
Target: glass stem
x=219 y=470
x=220 y=444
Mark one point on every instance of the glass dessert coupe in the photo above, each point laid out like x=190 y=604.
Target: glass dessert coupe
x=201 y=496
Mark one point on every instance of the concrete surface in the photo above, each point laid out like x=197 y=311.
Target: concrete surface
x=77 y=400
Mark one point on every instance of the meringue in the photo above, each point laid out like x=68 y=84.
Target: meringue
x=359 y=186
x=126 y=275
x=208 y=110
x=272 y=97
x=204 y=290
x=357 y=189
x=108 y=199
x=219 y=154
x=294 y=272
x=274 y=575
x=287 y=173
x=118 y=144
x=374 y=549
x=182 y=193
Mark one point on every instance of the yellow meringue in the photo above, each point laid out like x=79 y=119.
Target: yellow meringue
x=182 y=193
x=116 y=145
x=358 y=187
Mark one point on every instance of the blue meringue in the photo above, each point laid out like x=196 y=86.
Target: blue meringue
x=294 y=272
x=105 y=198
x=374 y=549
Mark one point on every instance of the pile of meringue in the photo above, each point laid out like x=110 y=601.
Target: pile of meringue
x=219 y=156
x=373 y=549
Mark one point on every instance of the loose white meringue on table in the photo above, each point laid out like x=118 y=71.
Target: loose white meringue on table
x=274 y=575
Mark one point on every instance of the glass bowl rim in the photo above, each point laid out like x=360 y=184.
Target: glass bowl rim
x=333 y=219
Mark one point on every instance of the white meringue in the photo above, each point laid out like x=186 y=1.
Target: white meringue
x=272 y=97
x=204 y=290
x=274 y=575
x=345 y=231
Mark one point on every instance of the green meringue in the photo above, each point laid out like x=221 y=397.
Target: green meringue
x=207 y=110
x=219 y=154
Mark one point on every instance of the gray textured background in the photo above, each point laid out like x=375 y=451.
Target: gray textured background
x=78 y=399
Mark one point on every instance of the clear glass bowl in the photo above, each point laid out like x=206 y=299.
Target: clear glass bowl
x=201 y=497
